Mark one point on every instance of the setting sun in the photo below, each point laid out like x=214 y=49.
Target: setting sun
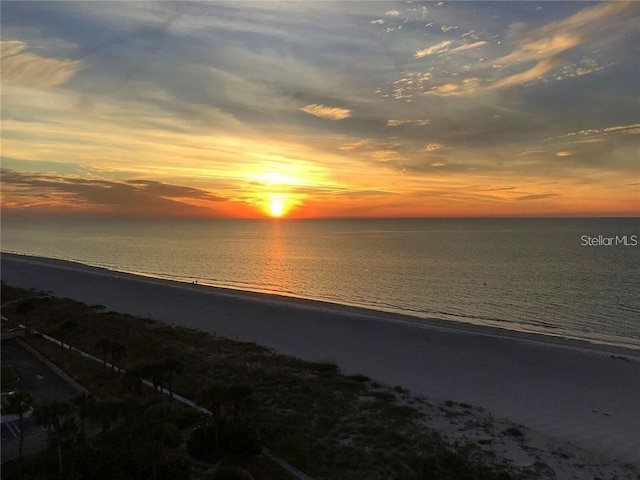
x=276 y=207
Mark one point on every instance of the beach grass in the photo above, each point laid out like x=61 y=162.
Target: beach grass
x=325 y=423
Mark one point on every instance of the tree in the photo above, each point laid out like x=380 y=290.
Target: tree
x=213 y=398
x=25 y=308
x=104 y=347
x=58 y=420
x=65 y=329
x=49 y=413
x=154 y=417
x=67 y=434
x=133 y=378
x=117 y=350
x=19 y=402
x=155 y=372
x=84 y=404
x=106 y=411
x=172 y=367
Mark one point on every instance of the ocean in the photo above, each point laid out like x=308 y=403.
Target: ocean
x=572 y=277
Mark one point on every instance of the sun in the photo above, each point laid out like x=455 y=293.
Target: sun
x=276 y=207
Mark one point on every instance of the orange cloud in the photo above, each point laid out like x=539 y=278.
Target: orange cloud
x=437 y=48
x=328 y=113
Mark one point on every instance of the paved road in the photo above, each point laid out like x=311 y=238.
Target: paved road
x=37 y=379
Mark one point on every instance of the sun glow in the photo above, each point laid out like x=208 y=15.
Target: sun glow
x=277 y=207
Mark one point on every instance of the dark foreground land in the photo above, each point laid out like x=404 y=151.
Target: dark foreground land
x=329 y=425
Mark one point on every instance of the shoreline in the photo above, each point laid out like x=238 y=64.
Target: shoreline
x=325 y=306
x=565 y=389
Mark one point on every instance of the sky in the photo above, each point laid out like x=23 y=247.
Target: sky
x=320 y=109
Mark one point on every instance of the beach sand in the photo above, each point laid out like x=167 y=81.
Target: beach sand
x=560 y=389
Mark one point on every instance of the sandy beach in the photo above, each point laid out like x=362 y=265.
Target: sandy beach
x=564 y=390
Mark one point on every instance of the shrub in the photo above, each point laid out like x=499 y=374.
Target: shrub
x=325 y=368
x=224 y=440
x=231 y=473
x=514 y=432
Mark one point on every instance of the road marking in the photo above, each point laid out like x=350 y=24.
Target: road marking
x=10 y=428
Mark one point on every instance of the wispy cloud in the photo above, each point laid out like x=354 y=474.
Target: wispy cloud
x=328 y=113
x=548 y=47
x=540 y=196
x=26 y=69
x=400 y=122
x=437 y=48
x=468 y=46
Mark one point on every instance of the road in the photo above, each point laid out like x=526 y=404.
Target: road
x=41 y=382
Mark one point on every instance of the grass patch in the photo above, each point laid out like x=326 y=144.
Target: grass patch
x=8 y=376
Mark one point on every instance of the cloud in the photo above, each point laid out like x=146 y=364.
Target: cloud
x=328 y=113
x=532 y=48
x=468 y=85
x=134 y=197
x=437 y=48
x=432 y=147
x=393 y=13
x=548 y=47
x=537 y=71
x=599 y=133
x=31 y=70
x=468 y=46
x=377 y=22
x=400 y=122
x=564 y=153
x=352 y=145
x=537 y=197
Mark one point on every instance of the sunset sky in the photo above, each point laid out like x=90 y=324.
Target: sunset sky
x=321 y=109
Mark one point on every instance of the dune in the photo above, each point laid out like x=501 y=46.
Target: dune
x=567 y=390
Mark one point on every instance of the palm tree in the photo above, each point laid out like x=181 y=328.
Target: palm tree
x=25 y=308
x=84 y=404
x=104 y=347
x=107 y=411
x=117 y=352
x=56 y=417
x=172 y=367
x=65 y=329
x=133 y=378
x=213 y=398
x=20 y=402
x=67 y=433
x=156 y=373
x=154 y=417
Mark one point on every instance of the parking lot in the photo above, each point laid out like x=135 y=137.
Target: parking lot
x=10 y=430
x=41 y=382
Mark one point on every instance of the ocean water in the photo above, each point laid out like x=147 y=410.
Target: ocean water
x=578 y=278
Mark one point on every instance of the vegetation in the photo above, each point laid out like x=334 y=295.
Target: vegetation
x=329 y=425
x=137 y=439
x=8 y=376
x=18 y=402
